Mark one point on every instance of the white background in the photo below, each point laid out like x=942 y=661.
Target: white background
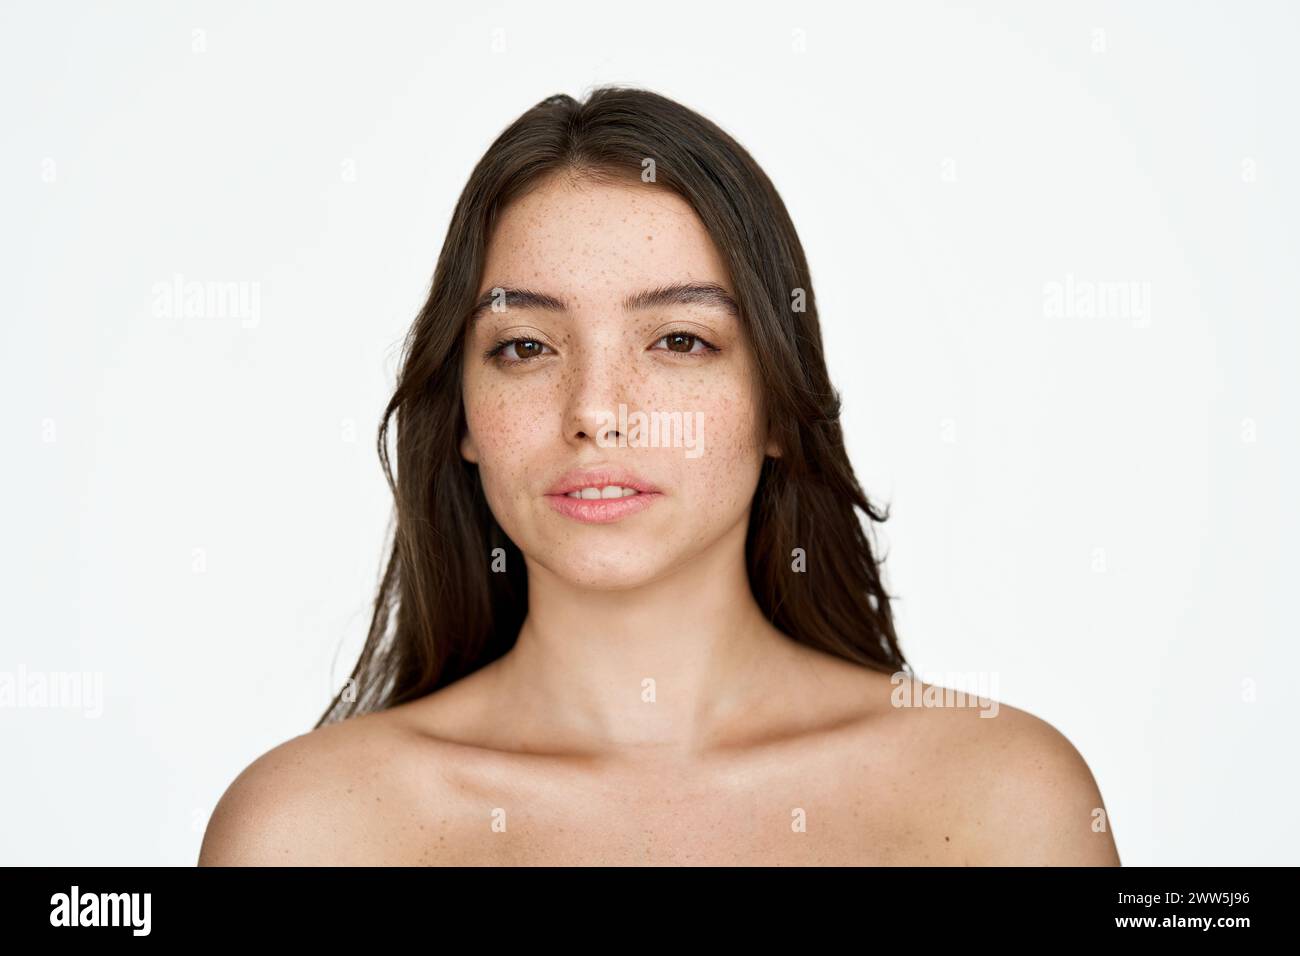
x=1099 y=510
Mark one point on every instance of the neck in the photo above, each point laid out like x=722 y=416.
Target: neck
x=661 y=668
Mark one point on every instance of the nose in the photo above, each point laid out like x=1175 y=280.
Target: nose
x=598 y=381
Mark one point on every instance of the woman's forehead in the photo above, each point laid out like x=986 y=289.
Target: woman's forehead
x=601 y=239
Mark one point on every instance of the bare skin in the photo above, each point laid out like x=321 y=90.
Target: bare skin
x=874 y=784
x=649 y=713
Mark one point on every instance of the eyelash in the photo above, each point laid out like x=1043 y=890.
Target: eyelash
x=496 y=350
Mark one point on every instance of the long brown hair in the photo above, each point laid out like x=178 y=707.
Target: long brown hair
x=441 y=611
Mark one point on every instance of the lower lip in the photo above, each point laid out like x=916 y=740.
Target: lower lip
x=602 y=510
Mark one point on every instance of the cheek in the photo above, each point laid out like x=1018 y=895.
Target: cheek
x=725 y=471
x=507 y=433
x=729 y=409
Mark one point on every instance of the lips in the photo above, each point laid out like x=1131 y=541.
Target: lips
x=581 y=478
x=601 y=510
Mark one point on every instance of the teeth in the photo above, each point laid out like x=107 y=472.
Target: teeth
x=608 y=491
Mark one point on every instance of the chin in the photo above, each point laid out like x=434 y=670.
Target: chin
x=613 y=569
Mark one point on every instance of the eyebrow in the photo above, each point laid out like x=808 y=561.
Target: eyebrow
x=682 y=293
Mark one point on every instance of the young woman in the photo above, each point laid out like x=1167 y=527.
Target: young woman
x=632 y=614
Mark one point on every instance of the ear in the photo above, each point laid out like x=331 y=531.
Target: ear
x=468 y=450
x=773 y=449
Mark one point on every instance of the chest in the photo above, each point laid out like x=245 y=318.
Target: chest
x=792 y=818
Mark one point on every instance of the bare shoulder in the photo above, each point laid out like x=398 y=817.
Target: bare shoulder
x=1020 y=791
x=301 y=803
x=986 y=783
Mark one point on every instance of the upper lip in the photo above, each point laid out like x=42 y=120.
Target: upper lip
x=580 y=478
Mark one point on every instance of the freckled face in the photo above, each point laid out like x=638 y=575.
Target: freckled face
x=534 y=410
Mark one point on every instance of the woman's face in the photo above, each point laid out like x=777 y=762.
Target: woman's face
x=541 y=407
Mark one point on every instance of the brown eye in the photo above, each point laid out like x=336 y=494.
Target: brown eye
x=525 y=351
x=683 y=343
